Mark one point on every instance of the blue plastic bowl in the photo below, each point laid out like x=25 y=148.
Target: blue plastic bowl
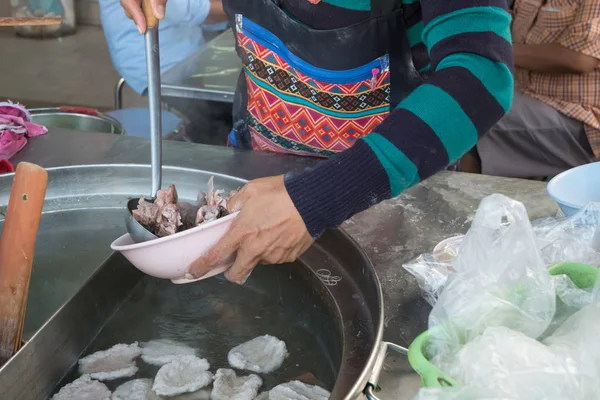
x=575 y=188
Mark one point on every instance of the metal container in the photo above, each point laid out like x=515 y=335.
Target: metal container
x=332 y=292
x=77 y=118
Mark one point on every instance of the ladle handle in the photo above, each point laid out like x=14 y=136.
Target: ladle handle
x=154 y=99
x=378 y=367
x=151 y=20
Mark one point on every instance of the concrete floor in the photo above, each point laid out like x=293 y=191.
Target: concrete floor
x=74 y=70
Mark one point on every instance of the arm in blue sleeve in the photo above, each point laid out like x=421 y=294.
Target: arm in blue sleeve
x=187 y=12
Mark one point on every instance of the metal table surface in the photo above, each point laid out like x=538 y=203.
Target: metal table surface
x=391 y=233
x=209 y=74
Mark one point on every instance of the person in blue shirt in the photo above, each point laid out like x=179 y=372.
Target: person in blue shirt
x=182 y=33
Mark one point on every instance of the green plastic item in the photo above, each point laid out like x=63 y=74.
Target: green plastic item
x=583 y=276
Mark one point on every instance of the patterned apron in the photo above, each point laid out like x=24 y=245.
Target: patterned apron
x=315 y=92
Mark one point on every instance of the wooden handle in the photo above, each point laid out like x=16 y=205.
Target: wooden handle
x=151 y=20
x=45 y=21
x=17 y=245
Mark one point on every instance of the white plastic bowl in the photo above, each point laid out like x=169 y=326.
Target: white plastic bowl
x=169 y=257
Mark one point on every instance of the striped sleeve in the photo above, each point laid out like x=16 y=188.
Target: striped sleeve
x=411 y=10
x=469 y=89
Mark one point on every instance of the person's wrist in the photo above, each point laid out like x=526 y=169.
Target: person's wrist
x=518 y=51
x=296 y=188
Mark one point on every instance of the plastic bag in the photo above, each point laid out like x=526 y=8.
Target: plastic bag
x=574 y=239
x=571 y=295
x=458 y=393
x=431 y=275
x=432 y=270
x=570 y=299
x=513 y=365
x=501 y=280
x=577 y=342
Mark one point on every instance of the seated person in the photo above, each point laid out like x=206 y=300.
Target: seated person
x=554 y=122
x=181 y=33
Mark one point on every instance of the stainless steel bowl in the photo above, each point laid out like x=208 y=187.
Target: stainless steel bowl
x=55 y=118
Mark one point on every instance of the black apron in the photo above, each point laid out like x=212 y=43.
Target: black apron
x=315 y=92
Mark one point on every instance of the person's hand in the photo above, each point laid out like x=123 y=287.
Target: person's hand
x=133 y=10
x=268 y=230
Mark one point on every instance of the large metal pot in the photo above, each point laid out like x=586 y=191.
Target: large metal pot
x=332 y=292
x=77 y=118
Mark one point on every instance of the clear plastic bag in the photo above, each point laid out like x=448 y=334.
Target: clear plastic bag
x=501 y=280
x=432 y=270
x=458 y=393
x=569 y=300
x=497 y=326
x=577 y=343
x=574 y=239
x=571 y=295
x=513 y=365
x=431 y=275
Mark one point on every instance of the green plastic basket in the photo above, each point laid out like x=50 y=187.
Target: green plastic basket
x=583 y=276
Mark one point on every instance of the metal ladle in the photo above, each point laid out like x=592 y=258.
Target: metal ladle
x=137 y=231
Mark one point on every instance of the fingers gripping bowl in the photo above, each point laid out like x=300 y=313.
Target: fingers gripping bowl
x=182 y=242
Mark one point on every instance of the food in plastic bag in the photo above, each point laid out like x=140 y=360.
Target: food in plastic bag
x=571 y=239
x=512 y=365
x=501 y=280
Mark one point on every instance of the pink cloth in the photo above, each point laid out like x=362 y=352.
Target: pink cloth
x=15 y=128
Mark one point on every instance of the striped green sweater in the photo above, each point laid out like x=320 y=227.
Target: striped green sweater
x=466 y=46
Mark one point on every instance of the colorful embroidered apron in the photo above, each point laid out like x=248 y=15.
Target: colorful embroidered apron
x=315 y=92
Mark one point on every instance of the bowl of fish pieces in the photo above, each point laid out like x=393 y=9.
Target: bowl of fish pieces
x=185 y=231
